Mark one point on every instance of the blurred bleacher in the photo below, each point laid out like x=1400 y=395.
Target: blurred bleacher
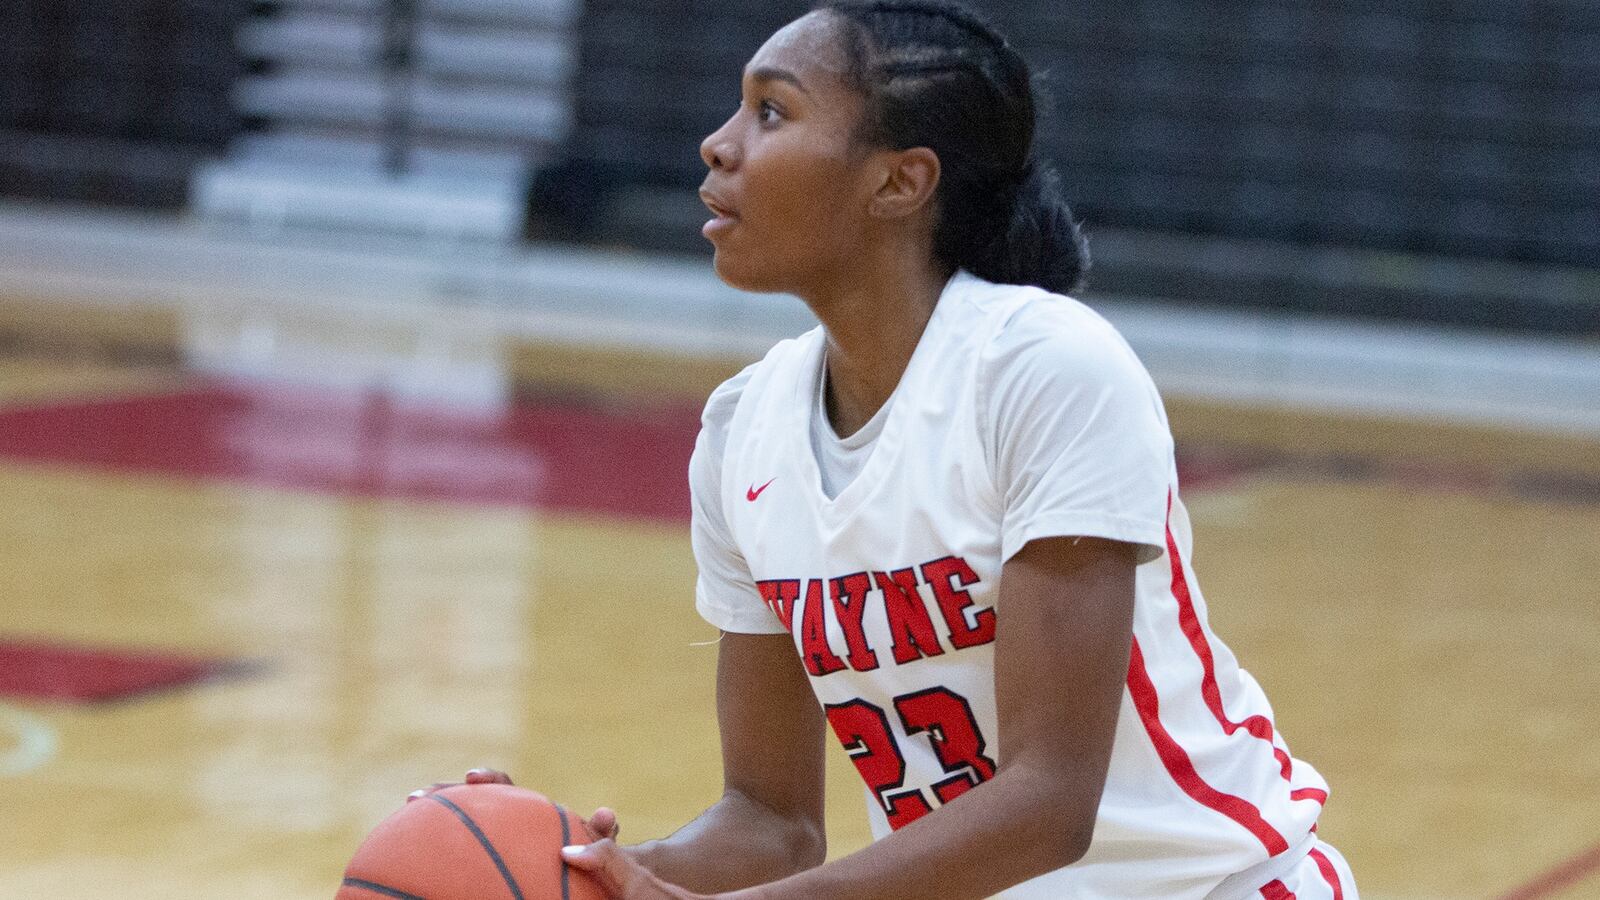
x=1212 y=141
x=1284 y=200
x=115 y=101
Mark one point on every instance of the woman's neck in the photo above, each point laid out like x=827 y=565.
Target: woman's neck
x=873 y=322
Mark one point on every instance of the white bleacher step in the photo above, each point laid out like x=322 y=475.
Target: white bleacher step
x=532 y=114
x=480 y=52
x=310 y=96
x=549 y=12
x=351 y=98
x=334 y=40
x=492 y=53
x=374 y=8
x=269 y=197
x=368 y=152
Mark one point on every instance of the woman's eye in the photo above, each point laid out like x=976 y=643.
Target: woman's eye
x=767 y=114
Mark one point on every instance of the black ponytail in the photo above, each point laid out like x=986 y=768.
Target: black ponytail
x=935 y=75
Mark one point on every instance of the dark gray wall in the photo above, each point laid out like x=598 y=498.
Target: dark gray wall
x=1467 y=129
x=113 y=101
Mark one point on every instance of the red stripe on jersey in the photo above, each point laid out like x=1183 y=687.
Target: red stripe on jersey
x=1329 y=874
x=1275 y=890
x=1316 y=794
x=1181 y=767
x=1189 y=620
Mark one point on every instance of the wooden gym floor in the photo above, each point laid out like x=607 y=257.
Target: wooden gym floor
x=240 y=622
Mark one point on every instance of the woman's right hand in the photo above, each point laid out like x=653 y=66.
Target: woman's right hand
x=603 y=824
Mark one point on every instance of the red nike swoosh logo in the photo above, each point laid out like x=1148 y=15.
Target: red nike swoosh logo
x=753 y=492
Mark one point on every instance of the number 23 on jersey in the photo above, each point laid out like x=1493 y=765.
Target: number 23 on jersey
x=940 y=713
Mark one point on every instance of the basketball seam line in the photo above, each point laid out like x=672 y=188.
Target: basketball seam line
x=566 y=838
x=483 y=840
x=377 y=888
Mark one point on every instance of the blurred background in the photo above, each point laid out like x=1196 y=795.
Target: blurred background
x=351 y=352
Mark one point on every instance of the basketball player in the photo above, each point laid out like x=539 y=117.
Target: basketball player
x=946 y=526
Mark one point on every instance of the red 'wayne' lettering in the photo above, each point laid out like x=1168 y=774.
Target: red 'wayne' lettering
x=905 y=609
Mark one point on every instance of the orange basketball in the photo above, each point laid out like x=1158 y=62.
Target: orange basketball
x=471 y=842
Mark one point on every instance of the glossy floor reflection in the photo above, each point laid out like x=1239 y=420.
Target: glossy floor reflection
x=516 y=591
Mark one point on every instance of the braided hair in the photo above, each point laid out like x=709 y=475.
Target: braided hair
x=935 y=75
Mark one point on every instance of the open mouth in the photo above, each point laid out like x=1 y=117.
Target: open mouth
x=725 y=219
x=717 y=208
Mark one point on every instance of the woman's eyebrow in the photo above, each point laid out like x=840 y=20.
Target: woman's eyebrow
x=768 y=73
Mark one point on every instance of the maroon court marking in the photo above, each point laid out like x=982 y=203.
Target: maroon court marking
x=627 y=460
x=46 y=670
x=614 y=459
x=565 y=455
x=1565 y=875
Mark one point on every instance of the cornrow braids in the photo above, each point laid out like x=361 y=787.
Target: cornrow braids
x=958 y=15
x=937 y=75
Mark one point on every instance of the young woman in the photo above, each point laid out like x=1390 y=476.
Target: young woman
x=945 y=525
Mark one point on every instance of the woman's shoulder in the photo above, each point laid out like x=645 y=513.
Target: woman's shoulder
x=1027 y=326
x=724 y=400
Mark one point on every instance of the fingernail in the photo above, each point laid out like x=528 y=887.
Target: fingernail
x=416 y=795
x=574 y=850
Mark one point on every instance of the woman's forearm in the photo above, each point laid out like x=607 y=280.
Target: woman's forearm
x=736 y=843
x=1010 y=829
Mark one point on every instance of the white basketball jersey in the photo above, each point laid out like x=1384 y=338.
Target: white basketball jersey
x=1021 y=415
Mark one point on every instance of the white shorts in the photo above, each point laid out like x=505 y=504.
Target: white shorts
x=1322 y=875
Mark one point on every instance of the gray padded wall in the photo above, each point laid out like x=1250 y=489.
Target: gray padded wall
x=114 y=101
x=1463 y=130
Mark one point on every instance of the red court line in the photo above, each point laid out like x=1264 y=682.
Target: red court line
x=47 y=670
x=1567 y=874
x=627 y=460
x=616 y=459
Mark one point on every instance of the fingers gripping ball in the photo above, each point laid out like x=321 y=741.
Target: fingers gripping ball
x=471 y=842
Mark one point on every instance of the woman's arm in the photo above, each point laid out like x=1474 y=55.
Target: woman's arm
x=1061 y=658
x=769 y=822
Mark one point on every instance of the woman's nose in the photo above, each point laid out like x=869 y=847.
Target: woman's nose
x=718 y=149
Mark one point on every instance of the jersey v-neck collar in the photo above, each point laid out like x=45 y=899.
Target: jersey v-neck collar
x=840 y=459
x=886 y=446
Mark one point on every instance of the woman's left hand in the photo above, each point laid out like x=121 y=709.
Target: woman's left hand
x=620 y=876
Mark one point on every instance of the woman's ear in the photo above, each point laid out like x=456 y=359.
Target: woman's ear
x=909 y=183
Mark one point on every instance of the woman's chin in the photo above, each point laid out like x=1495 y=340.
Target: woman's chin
x=737 y=271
